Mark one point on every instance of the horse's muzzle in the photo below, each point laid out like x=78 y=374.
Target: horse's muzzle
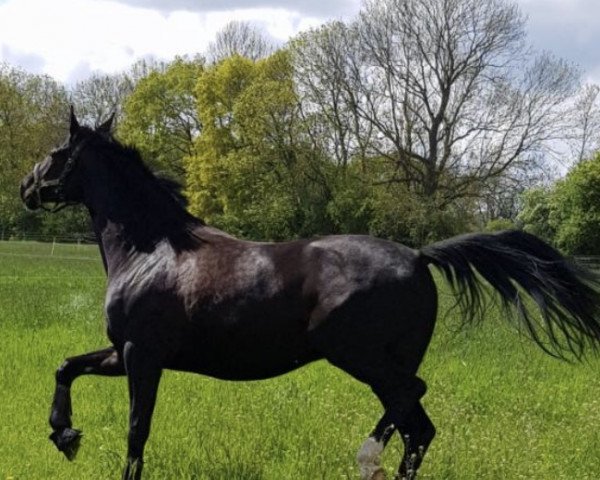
x=28 y=194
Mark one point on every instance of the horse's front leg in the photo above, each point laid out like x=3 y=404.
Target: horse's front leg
x=143 y=373
x=103 y=362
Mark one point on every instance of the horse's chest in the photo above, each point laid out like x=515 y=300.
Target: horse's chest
x=118 y=310
x=139 y=310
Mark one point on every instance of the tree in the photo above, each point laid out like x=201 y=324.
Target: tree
x=568 y=213
x=536 y=211
x=239 y=38
x=160 y=115
x=254 y=173
x=575 y=209
x=585 y=140
x=101 y=95
x=445 y=90
x=501 y=199
x=323 y=63
x=32 y=121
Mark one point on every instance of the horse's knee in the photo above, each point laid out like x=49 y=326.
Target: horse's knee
x=63 y=374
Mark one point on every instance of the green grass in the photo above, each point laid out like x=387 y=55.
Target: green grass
x=503 y=409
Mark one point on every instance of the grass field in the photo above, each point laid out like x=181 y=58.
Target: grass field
x=503 y=409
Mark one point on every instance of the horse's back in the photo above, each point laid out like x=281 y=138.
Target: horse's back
x=347 y=266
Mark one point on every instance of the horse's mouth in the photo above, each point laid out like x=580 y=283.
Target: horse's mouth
x=31 y=203
x=28 y=194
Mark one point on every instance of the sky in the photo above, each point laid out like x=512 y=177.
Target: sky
x=70 y=39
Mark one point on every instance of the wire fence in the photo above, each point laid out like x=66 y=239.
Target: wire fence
x=33 y=260
x=71 y=247
x=80 y=246
x=80 y=238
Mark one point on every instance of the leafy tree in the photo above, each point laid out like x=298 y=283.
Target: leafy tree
x=575 y=209
x=216 y=91
x=160 y=115
x=254 y=172
x=568 y=213
x=536 y=211
x=500 y=224
x=32 y=121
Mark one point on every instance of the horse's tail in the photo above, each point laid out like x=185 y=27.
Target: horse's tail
x=513 y=263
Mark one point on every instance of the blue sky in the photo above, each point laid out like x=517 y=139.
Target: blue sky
x=69 y=39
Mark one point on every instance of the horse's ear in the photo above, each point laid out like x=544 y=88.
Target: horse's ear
x=74 y=127
x=107 y=125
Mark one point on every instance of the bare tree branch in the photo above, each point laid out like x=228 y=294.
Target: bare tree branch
x=239 y=38
x=447 y=90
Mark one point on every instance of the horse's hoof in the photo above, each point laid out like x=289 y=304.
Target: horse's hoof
x=67 y=441
x=378 y=474
x=411 y=475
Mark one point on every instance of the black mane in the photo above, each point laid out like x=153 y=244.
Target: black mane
x=133 y=157
x=157 y=201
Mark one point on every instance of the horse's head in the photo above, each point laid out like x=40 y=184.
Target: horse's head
x=55 y=182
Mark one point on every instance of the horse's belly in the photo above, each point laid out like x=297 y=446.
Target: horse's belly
x=242 y=357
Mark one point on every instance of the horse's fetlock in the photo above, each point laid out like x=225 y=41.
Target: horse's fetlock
x=133 y=468
x=60 y=420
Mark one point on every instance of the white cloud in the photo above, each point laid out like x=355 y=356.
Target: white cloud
x=68 y=39
x=75 y=37
x=319 y=8
x=31 y=62
x=593 y=75
x=568 y=28
x=67 y=33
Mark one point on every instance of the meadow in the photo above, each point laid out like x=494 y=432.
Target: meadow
x=503 y=408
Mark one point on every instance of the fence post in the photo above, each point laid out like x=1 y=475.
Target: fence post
x=53 y=245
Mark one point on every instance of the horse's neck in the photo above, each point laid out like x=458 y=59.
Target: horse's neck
x=126 y=226
x=112 y=248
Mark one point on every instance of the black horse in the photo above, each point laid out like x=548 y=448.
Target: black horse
x=185 y=296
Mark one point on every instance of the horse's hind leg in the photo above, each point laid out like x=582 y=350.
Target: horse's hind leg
x=417 y=431
x=399 y=391
x=102 y=362
x=400 y=400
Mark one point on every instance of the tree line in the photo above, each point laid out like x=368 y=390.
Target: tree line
x=417 y=120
